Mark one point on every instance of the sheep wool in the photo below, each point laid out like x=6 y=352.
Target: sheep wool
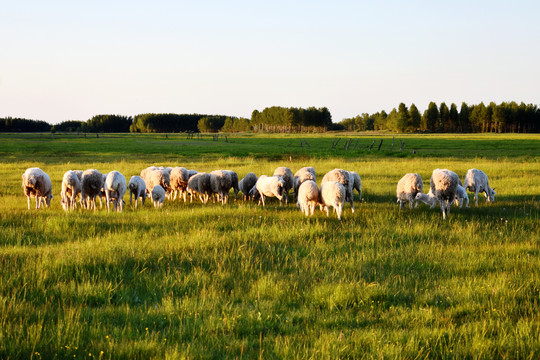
x=443 y=185
x=287 y=176
x=158 y=196
x=343 y=177
x=247 y=183
x=91 y=185
x=333 y=194
x=179 y=178
x=308 y=197
x=303 y=174
x=476 y=181
x=71 y=187
x=137 y=188
x=270 y=186
x=115 y=189
x=36 y=183
x=461 y=197
x=407 y=188
x=199 y=184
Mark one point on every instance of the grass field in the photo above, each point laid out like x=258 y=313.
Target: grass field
x=240 y=281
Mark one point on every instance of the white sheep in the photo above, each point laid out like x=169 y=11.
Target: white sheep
x=476 y=181
x=308 y=197
x=407 y=188
x=199 y=184
x=157 y=177
x=343 y=177
x=137 y=188
x=461 y=197
x=269 y=186
x=287 y=176
x=357 y=183
x=115 y=189
x=333 y=193
x=303 y=174
x=179 y=177
x=221 y=182
x=158 y=196
x=91 y=185
x=71 y=187
x=247 y=183
x=428 y=199
x=443 y=185
x=36 y=183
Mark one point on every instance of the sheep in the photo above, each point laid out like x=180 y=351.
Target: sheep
x=234 y=182
x=428 y=199
x=461 y=197
x=115 y=189
x=71 y=187
x=443 y=184
x=137 y=188
x=308 y=197
x=247 y=183
x=344 y=177
x=199 y=184
x=304 y=174
x=221 y=181
x=158 y=196
x=357 y=183
x=407 y=188
x=476 y=181
x=157 y=177
x=36 y=183
x=270 y=186
x=287 y=176
x=333 y=193
x=91 y=184
x=178 y=178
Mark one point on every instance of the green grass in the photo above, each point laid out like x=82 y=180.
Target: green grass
x=240 y=281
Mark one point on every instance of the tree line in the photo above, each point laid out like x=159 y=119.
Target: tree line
x=281 y=119
x=501 y=118
x=507 y=117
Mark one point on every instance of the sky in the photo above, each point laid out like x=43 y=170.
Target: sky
x=71 y=60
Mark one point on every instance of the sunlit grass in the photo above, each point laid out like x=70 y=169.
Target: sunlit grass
x=240 y=281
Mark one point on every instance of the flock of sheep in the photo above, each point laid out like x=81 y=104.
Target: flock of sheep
x=159 y=183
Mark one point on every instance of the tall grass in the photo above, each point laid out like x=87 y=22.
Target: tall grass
x=241 y=281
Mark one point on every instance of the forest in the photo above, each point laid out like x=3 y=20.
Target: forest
x=507 y=117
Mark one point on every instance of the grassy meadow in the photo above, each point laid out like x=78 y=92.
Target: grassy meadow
x=240 y=281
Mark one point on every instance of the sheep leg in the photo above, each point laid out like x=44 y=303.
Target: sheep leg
x=476 y=197
x=28 y=201
x=339 y=210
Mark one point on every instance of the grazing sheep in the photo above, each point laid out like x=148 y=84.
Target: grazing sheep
x=461 y=197
x=36 y=183
x=287 y=176
x=476 y=181
x=179 y=177
x=304 y=174
x=234 y=181
x=115 y=189
x=333 y=193
x=158 y=196
x=247 y=183
x=443 y=185
x=91 y=184
x=357 y=183
x=343 y=177
x=192 y=172
x=71 y=187
x=157 y=177
x=308 y=197
x=428 y=199
x=199 y=184
x=221 y=182
x=407 y=188
x=270 y=186
x=137 y=187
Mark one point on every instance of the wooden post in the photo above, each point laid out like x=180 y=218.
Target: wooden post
x=348 y=143
x=356 y=143
x=402 y=144
x=370 y=146
x=380 y=145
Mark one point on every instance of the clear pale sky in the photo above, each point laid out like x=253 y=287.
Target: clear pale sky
x=69 y=60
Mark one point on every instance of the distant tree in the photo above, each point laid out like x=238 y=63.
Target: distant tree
x=464 y=124
x=211 y=124
x=415 y=118
x=109 y=123
x=70 y=126
x=402 y=122
x=444 y=118
x=10 y=124
x=453 y=118
x=430 y=118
